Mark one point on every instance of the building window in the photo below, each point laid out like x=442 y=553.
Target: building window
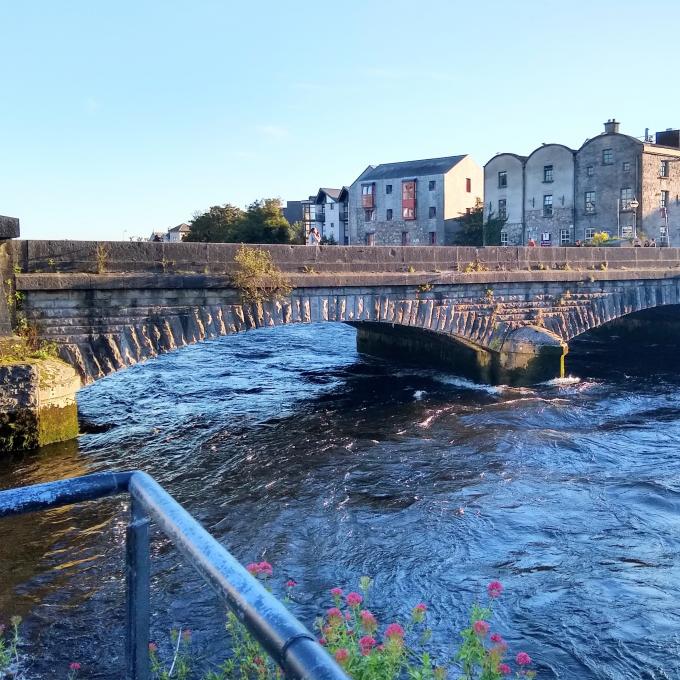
x=369 y=215
x=432 y=185
x=590 y=202
x=626 y=166
x=502 y=179
x=663 y=233
x=589 y=233
x=547 y=205
x=547 y=173
x=502 y=209
x=388 y=188
x=504 y=238
x=408 y=199
x=627 y=231
x=332 y=206
x=468 y=185
x=565 y=237
x=433 y=238
x=664 y=200
x=433 y=211
x=370 y=239
x=663 y=169
x=607 y=156
x=388 y=215
x=590 y=171
x=405 y=239
x=367 y=192
x=626 y=198
x=332 y=226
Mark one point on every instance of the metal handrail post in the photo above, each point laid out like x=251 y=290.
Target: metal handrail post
x=137 y=575
x=283 y=637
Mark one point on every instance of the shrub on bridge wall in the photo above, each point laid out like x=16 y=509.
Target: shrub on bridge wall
x=257 y=277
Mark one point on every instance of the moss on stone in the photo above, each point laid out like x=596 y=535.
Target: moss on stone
x=57 y=424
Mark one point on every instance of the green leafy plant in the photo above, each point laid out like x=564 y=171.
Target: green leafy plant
x=365 y=648
x=102 y=257
x=425 y=287
x=257 y=277
x=9 y=648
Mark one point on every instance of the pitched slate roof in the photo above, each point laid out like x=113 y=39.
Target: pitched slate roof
x=428 y=166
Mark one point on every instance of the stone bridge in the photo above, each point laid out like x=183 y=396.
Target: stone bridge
x=495 y=314
x=500 y=314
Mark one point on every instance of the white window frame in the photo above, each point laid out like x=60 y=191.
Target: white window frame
x=504 y=238
x=565 y=237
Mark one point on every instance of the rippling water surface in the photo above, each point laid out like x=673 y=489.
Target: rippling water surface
x=291 y=447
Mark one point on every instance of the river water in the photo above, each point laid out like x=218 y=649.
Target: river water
x=290 y=446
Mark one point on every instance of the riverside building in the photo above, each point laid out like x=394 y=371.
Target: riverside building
x=614 y=183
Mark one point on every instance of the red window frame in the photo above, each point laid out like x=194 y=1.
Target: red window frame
x=468 y=185
x=368 y=195
x=408 y=199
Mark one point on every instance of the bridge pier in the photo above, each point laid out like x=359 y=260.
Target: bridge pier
x=528 y=355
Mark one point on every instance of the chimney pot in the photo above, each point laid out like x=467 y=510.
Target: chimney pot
x=611 y=126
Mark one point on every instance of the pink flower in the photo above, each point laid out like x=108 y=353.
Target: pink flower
x=153 y=647
x=497 y=638
x=342 y=655
x=334 y=613
x=75 y=666
x=418 y=612
x=523 y=659
x=366 y=643
x=480 y=627
x=253 y=568
x=336 y=592
x=323 y=641
x=368 y=621
x=504 y=668
x=354 y=599
x=265 y=569
x=495 y=588
x=291 y=584
x=394 y=630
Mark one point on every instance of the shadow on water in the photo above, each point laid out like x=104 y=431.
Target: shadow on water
x=290 y=446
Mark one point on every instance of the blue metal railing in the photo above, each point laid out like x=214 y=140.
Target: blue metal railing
x=284 y=638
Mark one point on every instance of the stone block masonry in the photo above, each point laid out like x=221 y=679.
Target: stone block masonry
x=37 y=404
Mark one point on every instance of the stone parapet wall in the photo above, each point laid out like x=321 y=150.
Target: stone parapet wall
x=218 y=258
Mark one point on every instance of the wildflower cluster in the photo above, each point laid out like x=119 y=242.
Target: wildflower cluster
x=365 y=648
x=351 y=633
x=482 y=653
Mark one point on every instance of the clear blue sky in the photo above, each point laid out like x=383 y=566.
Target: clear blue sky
x=122 y=117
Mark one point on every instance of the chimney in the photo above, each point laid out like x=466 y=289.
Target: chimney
x=611 y=127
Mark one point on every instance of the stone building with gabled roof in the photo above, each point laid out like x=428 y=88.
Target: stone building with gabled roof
x=413 y=202
x=614 y=183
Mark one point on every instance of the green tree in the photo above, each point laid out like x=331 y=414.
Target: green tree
x=264 y=223
x=261 y=222
x=217 y=225
x=473 y=231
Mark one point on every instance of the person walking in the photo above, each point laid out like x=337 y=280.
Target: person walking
x=314 y=237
